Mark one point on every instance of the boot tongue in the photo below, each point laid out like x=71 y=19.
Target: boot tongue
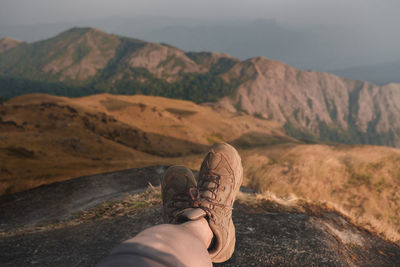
x=216 y=162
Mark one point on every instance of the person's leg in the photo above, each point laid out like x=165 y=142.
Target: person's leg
x=167 y=244
x=201 y=229
x=184 y=243
x=188 y=242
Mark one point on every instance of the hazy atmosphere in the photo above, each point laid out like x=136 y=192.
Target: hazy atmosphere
x=309 y=34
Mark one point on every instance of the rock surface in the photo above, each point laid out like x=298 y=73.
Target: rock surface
x=59 y=201
x=268 y=234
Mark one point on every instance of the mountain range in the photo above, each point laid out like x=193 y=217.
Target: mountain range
x=306 y=46
x=310 y=105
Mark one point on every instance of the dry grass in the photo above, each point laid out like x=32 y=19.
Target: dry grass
x=46 y=139
x=361 y=181
x=270 y=202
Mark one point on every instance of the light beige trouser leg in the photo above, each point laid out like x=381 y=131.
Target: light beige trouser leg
x=165 y=245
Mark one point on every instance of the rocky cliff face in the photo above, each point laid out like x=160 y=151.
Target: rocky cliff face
x=163 y=61
x=317 y=104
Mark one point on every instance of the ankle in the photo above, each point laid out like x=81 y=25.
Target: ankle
x=201 y=229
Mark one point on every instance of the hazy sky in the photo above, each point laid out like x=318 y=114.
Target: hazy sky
x=370 y=13
x=346 y=32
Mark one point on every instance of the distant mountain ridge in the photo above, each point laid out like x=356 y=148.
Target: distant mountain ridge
x=378 y=73
x=310 y=105
x=83 y=61
x=318 y=104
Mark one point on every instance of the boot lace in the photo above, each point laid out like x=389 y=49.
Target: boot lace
x=179 y=201
x=210 y=183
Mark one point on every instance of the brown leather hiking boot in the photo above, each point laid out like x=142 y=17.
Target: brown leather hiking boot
x=221 y=175
x=175 y=185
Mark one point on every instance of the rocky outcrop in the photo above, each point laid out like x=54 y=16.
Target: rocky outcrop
x=79 y=54
x=59 y=201
x=319 y=104
x=163 y=61
x=269 y=232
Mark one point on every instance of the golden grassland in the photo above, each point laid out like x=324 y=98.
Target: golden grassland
x=361 y=181
x=44 y=139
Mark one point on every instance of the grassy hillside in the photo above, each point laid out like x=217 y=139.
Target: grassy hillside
x=45 y=138
x=364 y=181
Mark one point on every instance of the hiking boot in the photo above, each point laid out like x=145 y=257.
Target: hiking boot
x=220 y=177
x=175 y=185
